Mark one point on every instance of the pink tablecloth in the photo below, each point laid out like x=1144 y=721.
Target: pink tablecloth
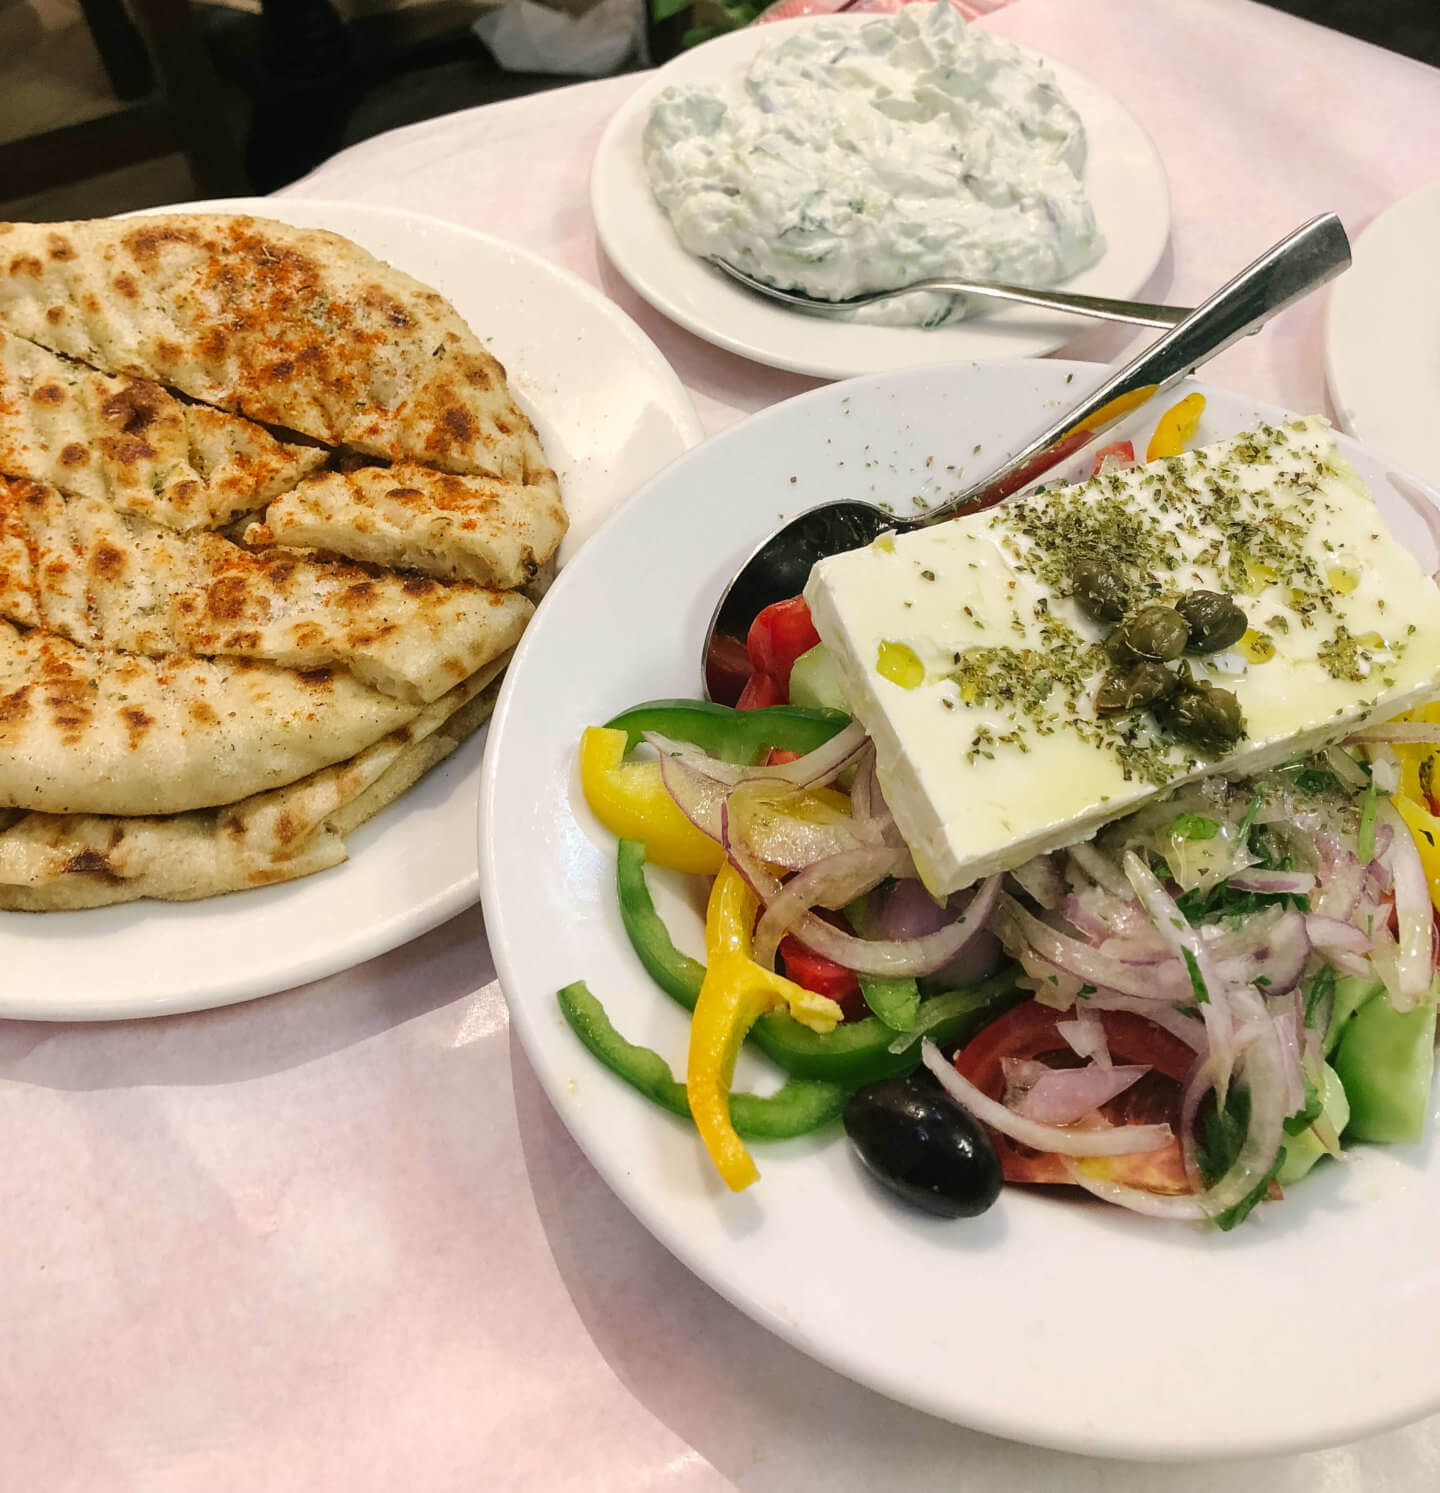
x=337 y=1239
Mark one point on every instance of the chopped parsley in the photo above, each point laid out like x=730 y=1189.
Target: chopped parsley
x=1321 y=986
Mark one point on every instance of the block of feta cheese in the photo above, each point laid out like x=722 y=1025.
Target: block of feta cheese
x=964 y=654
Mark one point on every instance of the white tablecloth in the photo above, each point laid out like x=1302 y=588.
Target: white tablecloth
x=337 y=1239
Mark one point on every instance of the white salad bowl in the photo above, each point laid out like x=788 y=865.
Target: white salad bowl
x=1050 y=1319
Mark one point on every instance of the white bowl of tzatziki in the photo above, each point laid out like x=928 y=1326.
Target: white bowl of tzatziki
x=1009 y=166
x=854 y=158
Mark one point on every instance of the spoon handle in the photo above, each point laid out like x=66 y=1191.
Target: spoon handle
x=1098 y=308
x=1298 y=264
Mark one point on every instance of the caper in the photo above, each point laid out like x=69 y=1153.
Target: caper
x=1147 y=684
x=1214 y=620
x=1156 y=632
x=1200 y=713
x=1100 y=590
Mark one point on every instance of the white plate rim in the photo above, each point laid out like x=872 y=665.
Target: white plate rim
x=428 y=907
x=531 y=1012
x=1351 y=374
x=1034 y=332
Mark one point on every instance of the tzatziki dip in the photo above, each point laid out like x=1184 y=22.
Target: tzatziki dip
x=852 y=158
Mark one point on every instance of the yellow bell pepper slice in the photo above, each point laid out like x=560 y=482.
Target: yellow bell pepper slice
x=736 y=992
x=1175 y=428
x=630 y=800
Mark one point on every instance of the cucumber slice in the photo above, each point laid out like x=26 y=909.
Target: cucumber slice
x=815 y=681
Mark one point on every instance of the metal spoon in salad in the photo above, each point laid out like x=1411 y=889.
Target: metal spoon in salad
x=780 y=565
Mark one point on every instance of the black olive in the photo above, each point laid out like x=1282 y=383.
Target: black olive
x=1100 y=590
x=1158 y=633
x=920 y=1144
x=1215 y=621
x=1145 y=685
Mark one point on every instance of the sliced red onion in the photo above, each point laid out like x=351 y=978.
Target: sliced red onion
x=829 y=883
x=891 y=958
x=872 y=809
x=1262 y=1142
x=1350 y=964
x=1330 y=935
x=1119 y=1140
x=1385 y=769
x=1345 y=767
x=1049 y=984
x=1020 y=930
x=796 y=840
x=698 y=796
x=1197 y=1084
x=909 y=911
x=1257 y=880
x=1173 y=926
x=1189 y=1029
x=1100 y=869
x=816 y=768
x=1039 y=879
x=1342 y=878
x=1061 y=1096
x=865 y=790
x=825 y=763
x=1147 y=950
x=1272 y=949
x=1287 y=1033
x=1415 y=921
x=728 y=773
x=1182 y=1207
x=1085 y=1036
x=1414 y=732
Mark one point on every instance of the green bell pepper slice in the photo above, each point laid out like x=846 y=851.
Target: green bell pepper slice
x=855 y=1054
x=801 y=1106
x=1386 y=1060
x=742 y=736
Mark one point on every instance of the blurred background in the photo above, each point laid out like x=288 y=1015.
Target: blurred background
x=112 y=105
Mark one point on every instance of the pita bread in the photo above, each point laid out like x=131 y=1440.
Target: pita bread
x=53 y=862
x=289 y=326
x=180 y=714
x=109 y=581
x=113 y=733
x=128 y=443
x=456 y=528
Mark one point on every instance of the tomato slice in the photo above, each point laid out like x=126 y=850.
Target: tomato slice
x=823 y=976
x=778 y=636
x=762 y=690
x=1122 y=451
x=1028 y=1031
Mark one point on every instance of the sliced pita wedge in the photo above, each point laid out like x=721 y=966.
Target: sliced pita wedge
x=128 y=443
x=107 y=581
x=111 y=733
x=289 y=326
x=51 y=863
x=456 y=528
